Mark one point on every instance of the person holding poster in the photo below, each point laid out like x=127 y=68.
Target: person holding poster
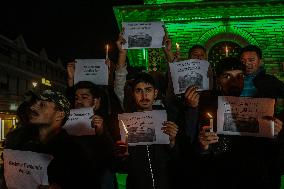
x=41 y=131
x=99 y=146
x=237 y=162
x=147 y=165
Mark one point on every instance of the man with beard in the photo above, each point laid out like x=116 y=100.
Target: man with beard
x=257 y=82
x=237 y=162
x=43 y=116
x=148 y=166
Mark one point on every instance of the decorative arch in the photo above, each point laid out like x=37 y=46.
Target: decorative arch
x=226 y=33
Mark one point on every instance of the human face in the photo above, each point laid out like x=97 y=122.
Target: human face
x=84 y=99
x=251 y=61
x=42 y=113
x=144 y=96
x=231 y=82
x=198 y=54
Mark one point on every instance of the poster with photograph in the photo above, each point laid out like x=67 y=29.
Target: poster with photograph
x=79 y=122
x=143 y=35
x=245 y=116
x=94 y=70
x=188 y=73
x=25 y=169
x=143 y=127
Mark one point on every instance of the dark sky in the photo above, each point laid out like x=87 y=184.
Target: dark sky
x=65 y=28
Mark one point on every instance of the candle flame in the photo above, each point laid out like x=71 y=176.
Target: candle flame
x=107 y=46
x=124 y=127
x=177 y=45
x=209 y=115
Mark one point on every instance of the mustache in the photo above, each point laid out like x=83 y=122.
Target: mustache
x=235 y=91
x=144 y=100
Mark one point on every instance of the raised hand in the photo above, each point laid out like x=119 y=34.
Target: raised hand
x=206 y=137
x=191 y=97
x=70 y=73
x=171 y=129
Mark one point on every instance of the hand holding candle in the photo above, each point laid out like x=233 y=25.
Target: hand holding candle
x=126 y=133
x=227 y=51
x=177 y=45
x=211 y=121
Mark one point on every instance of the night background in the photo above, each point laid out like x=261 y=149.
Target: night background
x=66 y=29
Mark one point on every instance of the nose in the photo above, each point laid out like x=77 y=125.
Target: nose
x=144 y=94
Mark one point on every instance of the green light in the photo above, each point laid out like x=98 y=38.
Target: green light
x=207 y=23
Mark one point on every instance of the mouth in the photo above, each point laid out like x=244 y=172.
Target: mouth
x=144 y=101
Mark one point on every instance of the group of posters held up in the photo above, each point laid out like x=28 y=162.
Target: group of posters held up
x=188 y=73
x=143 y=128
x=94 y=70
x=143 y=35
x=25 y=169
x=79 y=122
x=245 y=116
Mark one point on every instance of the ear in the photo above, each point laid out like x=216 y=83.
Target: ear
x=59 y=115
x=156 y=93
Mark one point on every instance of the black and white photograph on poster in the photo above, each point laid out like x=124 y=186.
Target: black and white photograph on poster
x=79 y=122
x=94 y=70
x=188 y=73
x=25 y=169
x=143 y=128
x=143 y=35
x=245 y=116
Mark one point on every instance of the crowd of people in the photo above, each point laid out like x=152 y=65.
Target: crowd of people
x=196 y=156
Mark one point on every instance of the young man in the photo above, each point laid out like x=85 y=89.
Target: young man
x=42 y=132
x=237 y=162
x=257 y=82
x=153 y=171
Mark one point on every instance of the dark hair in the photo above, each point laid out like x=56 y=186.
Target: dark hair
x=228 y=64
x=143 y=77
x=94 y=89
x=196 y=47
x=97 y=92
x=252 y=48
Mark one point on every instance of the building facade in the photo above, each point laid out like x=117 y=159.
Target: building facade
x=222 y=26
x=20 y=70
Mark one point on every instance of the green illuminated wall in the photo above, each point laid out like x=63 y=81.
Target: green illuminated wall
x=207 y=23
x=169 y=1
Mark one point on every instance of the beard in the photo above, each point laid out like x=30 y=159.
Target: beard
x=234 y=91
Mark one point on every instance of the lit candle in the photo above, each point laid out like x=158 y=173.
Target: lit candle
x=177 y=45
x=227 y=51
x=126 y=133
x=106 y=51
x=272 y=127
x=211 y=121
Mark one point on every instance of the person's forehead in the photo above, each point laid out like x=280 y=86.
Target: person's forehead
x=143 y=85
x=82 y=91
x=233 y=72
x=198 y=50
x=249 y=54
x=47 y=102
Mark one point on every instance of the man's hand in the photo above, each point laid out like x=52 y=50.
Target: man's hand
x=70 y=73
x=191 y=97
x=122 y=52
x=98 y=124
x=171 y=129
x=278 y=124
x=206 y=137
